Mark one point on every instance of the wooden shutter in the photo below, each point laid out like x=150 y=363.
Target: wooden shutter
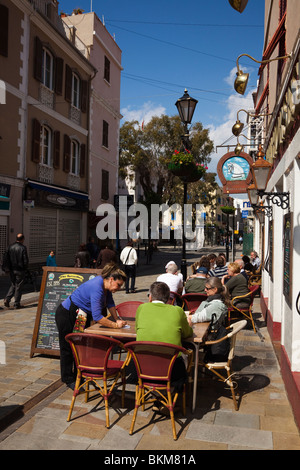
x=56 y=150
x=67 y=153
x=105 y=185
x=36 y=136
x=107 y=69
x=84 y=95
x=3 y=30
x=105 y=134
x=59 y=70
x=68 y=84
x=82 y=160
x=38 y=59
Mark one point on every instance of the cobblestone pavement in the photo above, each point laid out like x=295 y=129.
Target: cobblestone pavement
x=34 y=404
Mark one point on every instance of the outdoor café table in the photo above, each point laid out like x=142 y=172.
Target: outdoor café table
x=199 y=330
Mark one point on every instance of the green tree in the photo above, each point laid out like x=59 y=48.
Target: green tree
x=147 y=151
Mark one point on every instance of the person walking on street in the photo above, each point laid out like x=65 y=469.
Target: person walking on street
x=82 y=257
x=129 y=258
x=51 y=261
x=107 y=255
x=18 y=258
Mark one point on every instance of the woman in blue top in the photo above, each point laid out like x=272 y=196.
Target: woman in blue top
x=93 y=297
x=51 y=261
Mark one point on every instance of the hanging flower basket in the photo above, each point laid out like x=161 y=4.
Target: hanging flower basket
x=183 y=165
x=227 y=209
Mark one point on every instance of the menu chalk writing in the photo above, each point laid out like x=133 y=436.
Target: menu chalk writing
x=57 y=284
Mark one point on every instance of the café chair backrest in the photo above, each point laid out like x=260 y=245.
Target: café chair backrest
x=154 y=362
x=92 y=359
x=192 y=301
x=128 y=309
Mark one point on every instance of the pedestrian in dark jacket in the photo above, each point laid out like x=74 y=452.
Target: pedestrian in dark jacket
x=82 y=257
x=18 y=258
x=107 y=255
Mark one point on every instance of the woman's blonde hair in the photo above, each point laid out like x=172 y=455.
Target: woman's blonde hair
x=113 y=270
x=221 y=289
x=235 y=267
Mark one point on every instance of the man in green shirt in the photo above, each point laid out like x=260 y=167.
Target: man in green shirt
x=159 y=321
x=162 y=322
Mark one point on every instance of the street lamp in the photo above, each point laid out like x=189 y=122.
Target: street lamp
x=241 y=80
x=238 y=5
x=261 y=171
x=238 y=126
x=186 y=107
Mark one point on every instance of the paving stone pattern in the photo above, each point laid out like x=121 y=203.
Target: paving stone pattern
x=30 y=390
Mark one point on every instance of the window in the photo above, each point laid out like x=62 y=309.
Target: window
x=75 y=91
x=74 y=158
x=105 y=134
x=47 y=69
x=3 y=30
x=105 y=185
x=45 y=146
x=107 y=69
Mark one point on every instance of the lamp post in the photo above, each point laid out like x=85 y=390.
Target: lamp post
x=186 y=107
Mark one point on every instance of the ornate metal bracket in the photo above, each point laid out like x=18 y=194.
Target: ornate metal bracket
x=267 y=210
x=279 y=199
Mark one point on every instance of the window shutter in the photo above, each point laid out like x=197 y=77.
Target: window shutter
x=67 y=153
x=56 y=150
x=38 y=59
x=105 y=185
x=82 y=160
x=36 y=136
x=84 y=96
x=105 y=134
x=68 y=84
x=3 y=30
x=59 y=70
x=106 y=69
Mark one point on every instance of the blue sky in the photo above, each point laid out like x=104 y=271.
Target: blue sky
x=170 y=45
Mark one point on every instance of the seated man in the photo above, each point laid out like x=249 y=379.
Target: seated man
x=162 y=322
x=255 y=261
x=172 y=278
x=196 y=284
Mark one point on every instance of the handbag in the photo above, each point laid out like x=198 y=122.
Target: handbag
x=216 y=330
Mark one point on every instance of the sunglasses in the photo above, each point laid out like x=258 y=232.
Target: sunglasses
x=208 y=288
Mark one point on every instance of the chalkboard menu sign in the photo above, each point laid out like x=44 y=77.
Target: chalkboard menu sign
x=287 y=256
x=57 y=285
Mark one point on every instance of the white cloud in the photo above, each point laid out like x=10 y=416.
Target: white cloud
x=145 y=113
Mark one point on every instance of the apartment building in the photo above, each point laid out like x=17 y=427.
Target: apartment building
x=105 y=115
x=59 y=121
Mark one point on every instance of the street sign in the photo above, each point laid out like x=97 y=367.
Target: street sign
x=245 y=214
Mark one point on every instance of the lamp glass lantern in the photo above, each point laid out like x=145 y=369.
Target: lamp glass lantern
x=252 y=194
x=186 y=107
x=261 y=170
